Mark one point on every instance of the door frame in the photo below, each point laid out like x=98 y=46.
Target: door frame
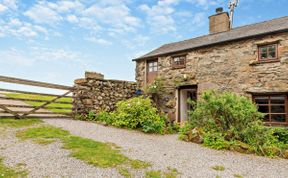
x=178 y=93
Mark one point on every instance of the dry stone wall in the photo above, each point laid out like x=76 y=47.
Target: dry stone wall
x=94 y=93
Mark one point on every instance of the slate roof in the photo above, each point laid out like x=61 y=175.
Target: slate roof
x=244 y=32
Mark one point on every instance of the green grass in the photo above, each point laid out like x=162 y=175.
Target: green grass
x=218 y=168
x=170 y=173
x=124 y=172
x=18 y=123
x=153 y=174
x=47 y=98
x=138 y=164
x=237 y=176
x=104 y=155
x=10 y=172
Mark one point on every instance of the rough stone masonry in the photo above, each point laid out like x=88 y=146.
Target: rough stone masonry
x=94 y=93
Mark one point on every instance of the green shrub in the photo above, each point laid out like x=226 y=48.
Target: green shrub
x=226 y=113
x=106 y=117
x=230 y=122
x=281 y=134
x=135 y=113
x=216 y=141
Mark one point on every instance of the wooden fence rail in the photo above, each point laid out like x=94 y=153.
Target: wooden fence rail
x=12 y=105
x=33 y=83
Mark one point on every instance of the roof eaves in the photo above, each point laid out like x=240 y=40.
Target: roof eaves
x=145 y=57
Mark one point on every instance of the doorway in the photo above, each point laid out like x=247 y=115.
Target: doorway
x=185 y=93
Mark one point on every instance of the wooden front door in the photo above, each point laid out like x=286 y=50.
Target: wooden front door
x=152 y=70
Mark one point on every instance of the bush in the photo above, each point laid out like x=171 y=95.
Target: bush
x=225 y=113
x=233 y=122
x=135 y=113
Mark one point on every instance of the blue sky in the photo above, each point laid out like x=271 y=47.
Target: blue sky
x=56 y=41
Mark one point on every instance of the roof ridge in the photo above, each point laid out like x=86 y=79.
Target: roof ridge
x=226 y=31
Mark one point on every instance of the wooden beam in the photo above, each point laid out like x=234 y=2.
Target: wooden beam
x=27 y=106
x=10 y=111
x=31 y=93
x=39 y=117
x=33 y=83
x=45 y=104
x=34 y=100
x=42 y=112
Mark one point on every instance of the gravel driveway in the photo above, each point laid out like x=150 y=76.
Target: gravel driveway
x=191 y=160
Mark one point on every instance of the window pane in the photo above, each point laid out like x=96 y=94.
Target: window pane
x=264 y=55
x=272 y=48
x=263 y=49
x=262 y=100
x=272 y=55
x=263 y=109
x=155 y=68
x=278 y=118
x=155 y=64
x=150 y=64
x=150 y=69
x=278 y=109
x=277 y=99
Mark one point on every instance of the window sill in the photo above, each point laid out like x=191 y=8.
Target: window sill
x=275 y=123
x=264 y=62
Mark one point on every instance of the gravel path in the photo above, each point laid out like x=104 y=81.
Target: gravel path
x=46 y=160
x=190 y=159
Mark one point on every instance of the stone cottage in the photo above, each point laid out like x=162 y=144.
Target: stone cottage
x=250 y=60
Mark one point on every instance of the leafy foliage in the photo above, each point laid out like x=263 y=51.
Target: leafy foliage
x=233 y=122
x=155 y=87
x=135 y=113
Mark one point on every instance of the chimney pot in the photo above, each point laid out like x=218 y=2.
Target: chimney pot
x=219 y=10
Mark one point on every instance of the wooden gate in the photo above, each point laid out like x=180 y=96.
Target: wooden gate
x=23 y=104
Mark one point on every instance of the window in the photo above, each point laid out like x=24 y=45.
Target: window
x=275 y=107
x=268 y=52
x=152 y=66
x=178 y=62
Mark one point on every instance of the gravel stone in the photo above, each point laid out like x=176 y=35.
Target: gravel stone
x=190 y=159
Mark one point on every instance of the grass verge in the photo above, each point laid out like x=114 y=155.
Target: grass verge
x=41 y=97
x=104 y=155
x=170 y=173
x=10 y=172
x=18 y=123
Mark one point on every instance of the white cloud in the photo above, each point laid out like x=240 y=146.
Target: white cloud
x=138 y=41
x=15 y=57
x=11 y=4
x=2 y=8
x=32 y=55
x=118 y=17
x=72 y=19
x=160 y=16
x=40 y=13
x=99 y=41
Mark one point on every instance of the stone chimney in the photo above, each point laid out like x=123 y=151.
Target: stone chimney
x=219 y=22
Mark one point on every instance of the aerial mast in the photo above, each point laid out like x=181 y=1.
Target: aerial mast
x=232 y=5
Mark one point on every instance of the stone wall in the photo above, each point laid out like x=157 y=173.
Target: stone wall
x=94 y=93
x=228 y=67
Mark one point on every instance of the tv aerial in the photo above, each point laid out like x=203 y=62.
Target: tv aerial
x=232 y=5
